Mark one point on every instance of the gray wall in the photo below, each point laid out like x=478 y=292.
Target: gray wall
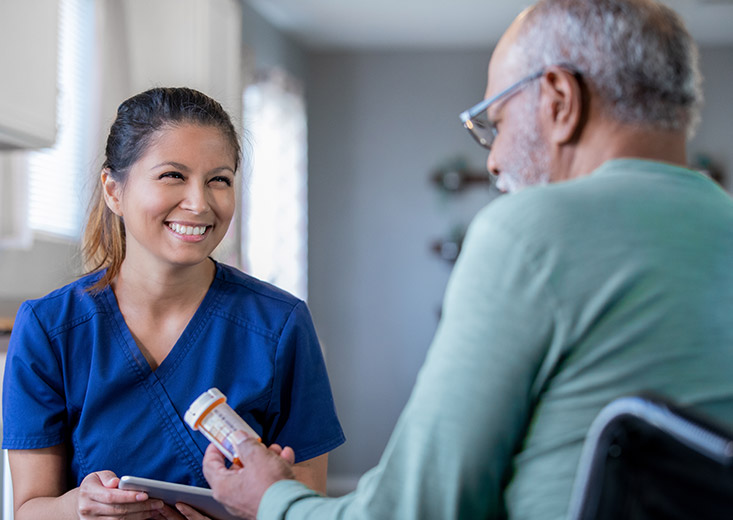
x=715 y=135
x=379 y=123
x=269 y=47
x=32 y=273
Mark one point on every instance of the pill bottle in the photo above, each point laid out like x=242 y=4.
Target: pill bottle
x=212 y=416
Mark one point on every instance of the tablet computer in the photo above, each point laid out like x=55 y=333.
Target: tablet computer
x=199 y=498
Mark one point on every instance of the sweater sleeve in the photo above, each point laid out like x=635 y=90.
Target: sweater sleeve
x=451 y=451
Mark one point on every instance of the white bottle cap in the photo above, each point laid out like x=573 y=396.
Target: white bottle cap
x=203 y=405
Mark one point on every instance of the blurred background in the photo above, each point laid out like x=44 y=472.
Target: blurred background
x=358 y=179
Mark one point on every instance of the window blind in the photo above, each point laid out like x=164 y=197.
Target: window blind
x=57 y=175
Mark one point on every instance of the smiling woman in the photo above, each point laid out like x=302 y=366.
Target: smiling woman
x=148 y=137
x=123 y=351
x=177 y=200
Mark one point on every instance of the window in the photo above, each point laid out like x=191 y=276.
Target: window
x=57 y=176
x=275 y=191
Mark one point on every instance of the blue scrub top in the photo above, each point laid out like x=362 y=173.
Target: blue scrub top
x=75 y=375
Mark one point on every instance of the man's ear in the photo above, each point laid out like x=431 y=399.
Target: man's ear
x=562 y=103
x=112 y=191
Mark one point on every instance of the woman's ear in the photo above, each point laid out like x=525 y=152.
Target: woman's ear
x=112 y=191
x=563 y=104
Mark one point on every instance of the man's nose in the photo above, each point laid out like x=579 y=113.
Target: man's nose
x=491 y=163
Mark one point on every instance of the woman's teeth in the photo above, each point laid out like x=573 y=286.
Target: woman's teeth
x=188 y=230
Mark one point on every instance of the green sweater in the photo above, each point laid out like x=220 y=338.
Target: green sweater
x=564 y=297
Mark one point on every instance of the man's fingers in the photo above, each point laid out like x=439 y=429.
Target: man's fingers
x=288 y=454
x=275 y=448
x=214 y=461
x=247 y=447
x=213 y=452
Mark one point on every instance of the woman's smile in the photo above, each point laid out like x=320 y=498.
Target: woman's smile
x=189 y=231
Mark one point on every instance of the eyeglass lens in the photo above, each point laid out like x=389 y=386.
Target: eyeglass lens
x=481 y=130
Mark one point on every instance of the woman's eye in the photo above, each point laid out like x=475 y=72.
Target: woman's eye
x=171 y=175
x=220 y=178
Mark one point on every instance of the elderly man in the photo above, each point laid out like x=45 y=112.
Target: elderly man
x=609 y=276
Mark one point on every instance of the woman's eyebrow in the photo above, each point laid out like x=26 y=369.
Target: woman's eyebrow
x=176 y=165
x=183 y=167
x=219 y=168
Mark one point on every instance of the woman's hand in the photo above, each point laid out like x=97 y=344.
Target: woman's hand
x=40 y=492
x=99 y=498
x=189 y=513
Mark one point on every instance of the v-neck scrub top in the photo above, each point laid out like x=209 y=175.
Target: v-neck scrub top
x=75 y=375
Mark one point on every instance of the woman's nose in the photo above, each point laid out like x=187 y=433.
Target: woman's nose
x=196 y=199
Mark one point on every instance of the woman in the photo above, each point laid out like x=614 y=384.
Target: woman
x=100 y=373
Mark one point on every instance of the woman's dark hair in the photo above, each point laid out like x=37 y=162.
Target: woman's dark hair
x=138 y=120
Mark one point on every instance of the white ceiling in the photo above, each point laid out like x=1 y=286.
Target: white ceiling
x=381 y=24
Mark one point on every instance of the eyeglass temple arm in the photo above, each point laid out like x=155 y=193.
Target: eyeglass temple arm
x=483 y=105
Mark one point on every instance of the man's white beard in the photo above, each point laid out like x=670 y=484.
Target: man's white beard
x=531 y=163
x=512 y=183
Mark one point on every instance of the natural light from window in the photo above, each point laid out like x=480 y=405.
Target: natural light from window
x=275 y=191
x=57 y=176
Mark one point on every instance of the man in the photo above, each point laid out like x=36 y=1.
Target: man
x=611 y=276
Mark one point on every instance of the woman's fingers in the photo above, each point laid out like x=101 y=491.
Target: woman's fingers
x=190 y=513
x=98 y=496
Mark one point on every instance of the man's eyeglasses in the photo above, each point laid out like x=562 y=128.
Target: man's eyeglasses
x=476 y=119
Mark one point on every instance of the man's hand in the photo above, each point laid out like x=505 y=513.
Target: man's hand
x=240 y=488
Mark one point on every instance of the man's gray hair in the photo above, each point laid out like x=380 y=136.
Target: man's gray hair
x=635 y=54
